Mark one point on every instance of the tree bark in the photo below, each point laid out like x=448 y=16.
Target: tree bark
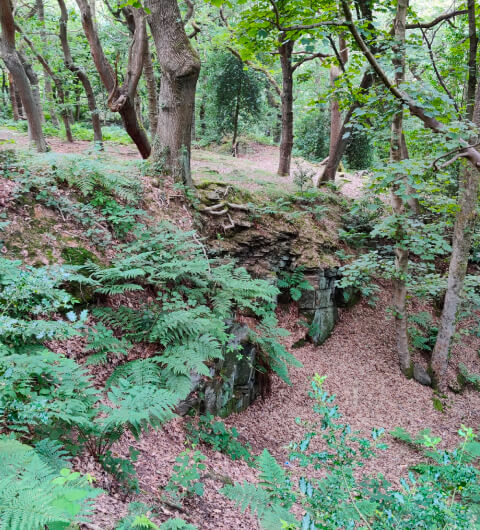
x=58 y=85
x=397 y=154
x=13 y=98
x=82 y=76
x=286 y=142
x=152 y=96
x=33 y=78
x=121 y=99
x=235 y=119
x=14 y=65
x=180 y=66
x=46 y=78
x=472 y=59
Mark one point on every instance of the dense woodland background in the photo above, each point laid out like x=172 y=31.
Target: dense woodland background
x=176 y=180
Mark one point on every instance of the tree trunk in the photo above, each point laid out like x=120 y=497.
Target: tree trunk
x=286 y=142
x=472 y=59
x=120 y=98
x=235 y=120
x=338 y=149
x=152 y=96
x=81 y=75
x=13 y=98
x=397 y=153
x=58 y=85
x=462 y=232
x=12 y=62
x=180 y=66
x=461 y=242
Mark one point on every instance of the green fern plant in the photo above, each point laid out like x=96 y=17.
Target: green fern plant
x=294 y=282
x=36 y=493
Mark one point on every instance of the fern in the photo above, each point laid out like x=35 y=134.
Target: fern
x=34 y=495
x=137 y=408
x=102 y=342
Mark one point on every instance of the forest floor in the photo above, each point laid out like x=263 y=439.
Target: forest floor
x=359 y=360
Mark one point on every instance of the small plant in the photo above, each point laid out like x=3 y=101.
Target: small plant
x=423 y=335
x=294 y=282
x=185 y=480
x=122 y=468
x=222 y=439
x=303 y=178
x=327 y=487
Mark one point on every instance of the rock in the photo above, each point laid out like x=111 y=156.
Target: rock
x=420 y=375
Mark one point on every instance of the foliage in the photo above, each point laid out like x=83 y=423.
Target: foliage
x=295 y=282
x=37 y=491
x=311 y=135
x=222 y=439
x=359 y=153
x=185 y=480
x=424 y=334
x=195 y=296
x=139 y=518
x=441 y=493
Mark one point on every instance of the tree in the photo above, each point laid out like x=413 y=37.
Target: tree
x=121 y=98
x=80 y=73
x=267 y=27
x=180 y=66
x=14 y=65
x=236 y=93
x=467 y=200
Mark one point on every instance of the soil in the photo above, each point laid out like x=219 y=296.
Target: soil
x=359 y=360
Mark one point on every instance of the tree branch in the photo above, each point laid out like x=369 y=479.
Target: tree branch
x=435 y=21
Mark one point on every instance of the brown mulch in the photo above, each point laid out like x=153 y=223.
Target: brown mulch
x=362 y=371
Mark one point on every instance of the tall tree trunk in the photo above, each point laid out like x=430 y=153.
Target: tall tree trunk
x=152 y=96
x=464 y=225
x=46 y=78
x=397 y=154
x=13 y=98
x=461 y=243
x=472 y=59
x=12 y=62
x=335 y=116
x=121 y=98
x=338 y=149
x=235 y=120
x=58 y=85
x=180 y=66
x=82 y=76
x=33 y=78
x=286 y=142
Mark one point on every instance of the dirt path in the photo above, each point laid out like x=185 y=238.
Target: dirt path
x=253 y=170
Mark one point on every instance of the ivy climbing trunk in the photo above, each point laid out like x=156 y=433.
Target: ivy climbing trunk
x=235 y=119
x=286 y=142
x=180 y=66
x=14 y=65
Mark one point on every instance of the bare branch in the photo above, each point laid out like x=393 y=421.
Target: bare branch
x=438 y=20
x=309 y=58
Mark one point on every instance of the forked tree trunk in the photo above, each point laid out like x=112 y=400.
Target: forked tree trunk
x=397 y=153
x=180 y=66
x=286 y=142
x=81 y=75
x=120 y=98
x=33 y=78
x=14 y=65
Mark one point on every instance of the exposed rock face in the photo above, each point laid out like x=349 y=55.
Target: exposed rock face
x=233 y=385
x=265 y=245
x=318 y=305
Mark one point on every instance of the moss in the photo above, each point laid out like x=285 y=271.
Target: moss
x=78 y=256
